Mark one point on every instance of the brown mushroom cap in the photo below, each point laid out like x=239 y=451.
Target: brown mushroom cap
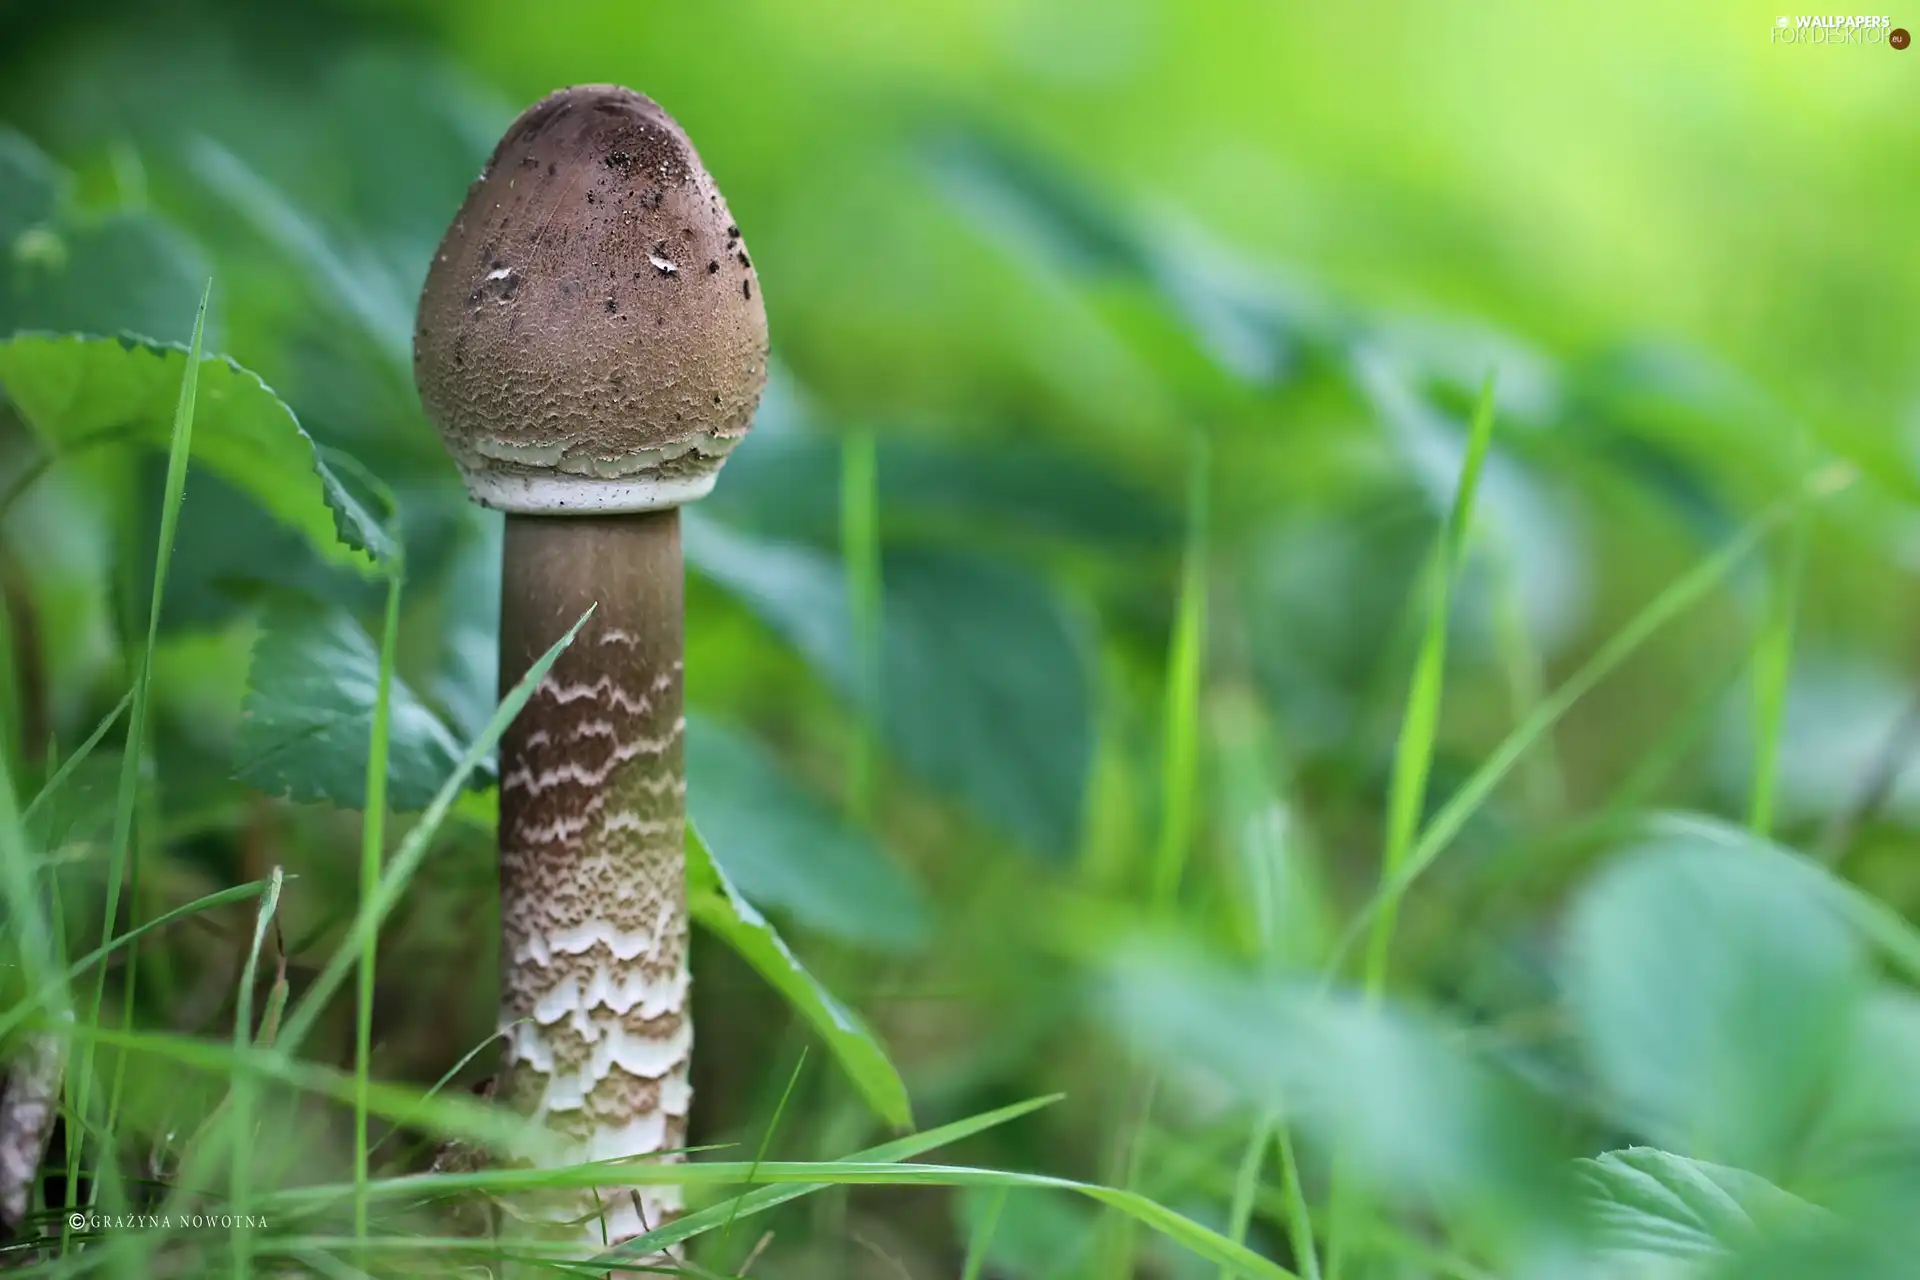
x=591 y=336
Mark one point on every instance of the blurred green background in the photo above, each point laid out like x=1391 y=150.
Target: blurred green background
x=1166 y=322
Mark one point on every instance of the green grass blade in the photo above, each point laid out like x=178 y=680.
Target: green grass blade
x=1179 y=770
x=762 y=1199
x=1526 y=684
x=53 y=988
x=1772 y=671
x=1413 y=753
x=1209 y=1245
x=1180 y=740
x=1246 y=1184
x=1676 y=599
x=413 y=849
x=373 y=830
x=447 y=1078
x=766 y=1139
x=1299 y=1219
x=1420 y=722
x=860 y=549
x=122 y=862
x=454 y=1117
x=240 y=1183
x=982 y=1237
x=79 y=757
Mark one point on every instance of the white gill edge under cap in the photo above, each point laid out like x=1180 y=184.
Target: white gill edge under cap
x=531 y=493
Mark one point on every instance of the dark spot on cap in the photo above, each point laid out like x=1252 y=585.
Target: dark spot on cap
x=590 y=197
x=552 y=169
x=613 y=304
x=618 y=160
x=712 y=266
x=746 y=288
x=743 y=260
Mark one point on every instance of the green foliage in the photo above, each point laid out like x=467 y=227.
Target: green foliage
x=309 y=715
x=718 y=906
x=1012 y=739
x=1716 y=995
x=785 y=848
x=1655 y=1213
x=121 y=271
x=1018 y=259
x=82 y=395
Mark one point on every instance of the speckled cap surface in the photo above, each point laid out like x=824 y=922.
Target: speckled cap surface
x=591 y=336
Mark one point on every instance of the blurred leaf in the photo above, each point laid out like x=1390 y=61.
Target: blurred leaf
x=32 y=188
x=412 y=131
x=787 y=849
x=1324 y=595
x=1037 y=204
x=351 y=286
x=1846 y=724
x=1249 y=320
x=1658 y=1214
x=117 y=272
x=1013 y=739
x=1714 y=994
x=786 y=485
x=1419 y=1118
x=1875 y=1108
x=467 y=674
x=309 y=716
x=78 y=392
x=714 y=902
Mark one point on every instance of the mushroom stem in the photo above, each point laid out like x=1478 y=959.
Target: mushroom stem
x=594 y=984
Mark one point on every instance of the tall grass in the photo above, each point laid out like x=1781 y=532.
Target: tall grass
x=123 y=853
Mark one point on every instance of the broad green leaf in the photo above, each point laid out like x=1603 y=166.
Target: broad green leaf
x=1653 y=1213
x=81 y=392
x=1714 y=994
x=714 y=902
x=1418 y=1118
x=309 y=713
x=785 y=848
x=1012 y=740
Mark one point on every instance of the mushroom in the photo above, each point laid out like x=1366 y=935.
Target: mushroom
x=591 y=343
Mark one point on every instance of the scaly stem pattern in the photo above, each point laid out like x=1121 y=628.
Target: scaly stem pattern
x=595 y=982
